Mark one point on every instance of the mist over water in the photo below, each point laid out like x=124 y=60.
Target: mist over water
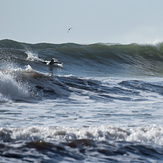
x=98 y=103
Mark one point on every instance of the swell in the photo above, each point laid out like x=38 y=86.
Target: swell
x=94 y=59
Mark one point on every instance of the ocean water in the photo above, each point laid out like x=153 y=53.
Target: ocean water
x=100 y=103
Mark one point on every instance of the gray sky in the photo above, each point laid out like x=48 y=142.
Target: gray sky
x=92 y=21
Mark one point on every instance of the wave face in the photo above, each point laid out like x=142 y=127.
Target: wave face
x=25 y=73
x=97 y=103
x=99 y=59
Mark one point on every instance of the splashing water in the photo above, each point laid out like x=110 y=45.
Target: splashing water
x=12 y=89
x=32 y=56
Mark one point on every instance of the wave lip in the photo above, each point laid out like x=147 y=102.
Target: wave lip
x=11 y=89
x=30 y=85
x=95 y=59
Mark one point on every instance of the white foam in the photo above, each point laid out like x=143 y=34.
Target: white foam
x=145 y=135
x=8 y=65
x=28 y=68
x=149 y=134
x=12 y=89
x=3 y=99
x=32 y=56
x=79 y=98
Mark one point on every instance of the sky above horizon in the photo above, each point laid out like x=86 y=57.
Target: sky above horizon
x=92 y=21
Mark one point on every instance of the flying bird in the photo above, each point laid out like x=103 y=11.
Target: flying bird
x=69 y=29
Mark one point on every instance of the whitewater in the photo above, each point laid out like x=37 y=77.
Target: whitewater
x=102 y=103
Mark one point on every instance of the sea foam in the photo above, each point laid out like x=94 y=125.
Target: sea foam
x=144 y=135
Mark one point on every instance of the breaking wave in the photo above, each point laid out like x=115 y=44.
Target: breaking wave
x=108 y=60
x=98 y=103
x=105 y=143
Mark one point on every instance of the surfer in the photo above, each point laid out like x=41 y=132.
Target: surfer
x=52 y=61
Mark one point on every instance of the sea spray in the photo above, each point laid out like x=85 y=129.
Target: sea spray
x=11 y=88
x=32 y=56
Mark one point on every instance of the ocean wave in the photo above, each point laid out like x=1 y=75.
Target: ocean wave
x=145 y=135
x=109 y=143
x=95 y=59
x=100 y=106
x=30 y=85
x=11 y=89
x=25 y=74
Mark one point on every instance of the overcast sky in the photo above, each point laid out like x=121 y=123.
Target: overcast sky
x=92 y=21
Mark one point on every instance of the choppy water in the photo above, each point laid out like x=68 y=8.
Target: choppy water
x=103 y=104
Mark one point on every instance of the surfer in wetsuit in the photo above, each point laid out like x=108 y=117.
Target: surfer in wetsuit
x=51 y=62
x=51 y=66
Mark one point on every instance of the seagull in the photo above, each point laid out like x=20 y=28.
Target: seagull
x=69 y=29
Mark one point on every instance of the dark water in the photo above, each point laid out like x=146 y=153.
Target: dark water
x=102 y=104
